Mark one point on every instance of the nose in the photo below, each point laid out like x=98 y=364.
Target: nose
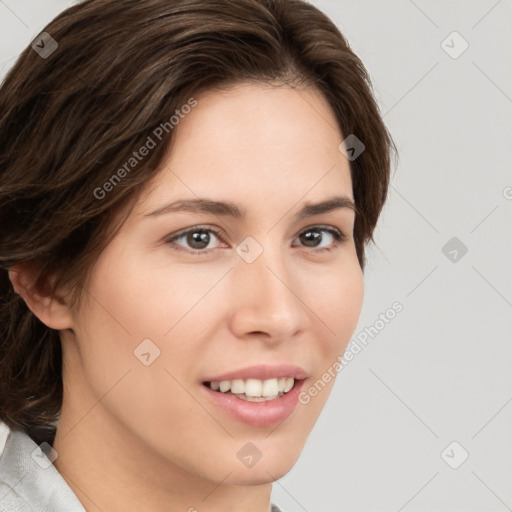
x=268 y=299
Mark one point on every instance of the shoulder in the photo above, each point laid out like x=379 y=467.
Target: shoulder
x=29 y=482
x=10 y=500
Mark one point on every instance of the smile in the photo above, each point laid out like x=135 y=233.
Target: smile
x=254 y=390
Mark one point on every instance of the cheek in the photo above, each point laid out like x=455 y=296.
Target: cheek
x=141 y=297
x=350 y=301
x=130 y=302
x=337 y=302
x=136 y=300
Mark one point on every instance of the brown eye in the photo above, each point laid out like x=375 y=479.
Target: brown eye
x=198 y=239
x=195 y=240
x=312 y=237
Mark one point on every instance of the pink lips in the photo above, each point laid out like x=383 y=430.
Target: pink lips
x=257 y=414
x=262 y=372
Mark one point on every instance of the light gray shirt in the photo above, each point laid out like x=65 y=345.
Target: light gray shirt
x=29 y=482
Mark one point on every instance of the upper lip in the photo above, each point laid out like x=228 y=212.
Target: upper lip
x=262 y=372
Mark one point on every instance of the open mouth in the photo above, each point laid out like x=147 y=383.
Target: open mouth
x=254 y=390
x=259 y=402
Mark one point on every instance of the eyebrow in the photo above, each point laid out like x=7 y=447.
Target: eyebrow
x=226 y=208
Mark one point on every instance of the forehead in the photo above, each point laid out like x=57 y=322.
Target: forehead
x=252 y=141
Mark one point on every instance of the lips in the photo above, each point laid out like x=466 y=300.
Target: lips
x=261 y=372
x=263 y=406
x=256 y=414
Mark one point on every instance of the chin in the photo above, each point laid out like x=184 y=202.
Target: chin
x=258 y=476
x=273 y=465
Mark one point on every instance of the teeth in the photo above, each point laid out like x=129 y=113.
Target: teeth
x=288 y=385
x=253 y=387
x=224 y=386
x=237 y=386
x=270 y=387
x=255 y=390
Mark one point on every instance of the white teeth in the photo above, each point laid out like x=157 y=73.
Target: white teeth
x=288 y=385
x=255 y=390
x=237 y=386
x=253 y=387
x=225 y=385
x=270 y=388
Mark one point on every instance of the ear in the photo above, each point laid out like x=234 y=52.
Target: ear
x=53 y=311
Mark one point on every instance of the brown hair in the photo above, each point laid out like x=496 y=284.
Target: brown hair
x=70 y=119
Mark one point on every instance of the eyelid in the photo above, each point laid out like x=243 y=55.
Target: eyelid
x=327 y=227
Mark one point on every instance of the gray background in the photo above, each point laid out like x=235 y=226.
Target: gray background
x=440 y=370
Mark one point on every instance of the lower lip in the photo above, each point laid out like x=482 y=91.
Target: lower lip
x=257 y=414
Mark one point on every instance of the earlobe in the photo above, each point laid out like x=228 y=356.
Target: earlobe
x=53 y=311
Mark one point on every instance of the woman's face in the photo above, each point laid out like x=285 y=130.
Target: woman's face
x=262 y=299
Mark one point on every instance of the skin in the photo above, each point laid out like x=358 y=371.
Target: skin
x=135 y=437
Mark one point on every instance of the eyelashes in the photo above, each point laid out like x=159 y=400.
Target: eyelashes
x=204 y=231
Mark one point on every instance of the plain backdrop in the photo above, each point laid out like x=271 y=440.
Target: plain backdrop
x=420 y=419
